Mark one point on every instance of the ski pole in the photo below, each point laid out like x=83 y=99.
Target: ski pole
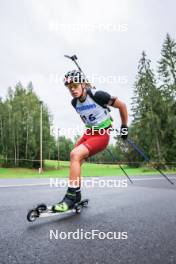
x=120 y=166
x=74 y=59
x=147 y=158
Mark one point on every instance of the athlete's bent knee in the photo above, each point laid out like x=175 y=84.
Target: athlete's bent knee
x=75 y=155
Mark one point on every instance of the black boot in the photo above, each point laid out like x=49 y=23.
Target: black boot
x=72 y=197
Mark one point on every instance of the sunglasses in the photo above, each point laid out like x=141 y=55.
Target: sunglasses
x=72 y=85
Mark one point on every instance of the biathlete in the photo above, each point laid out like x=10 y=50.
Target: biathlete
x=92 y=106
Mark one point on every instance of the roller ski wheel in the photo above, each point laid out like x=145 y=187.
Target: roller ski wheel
x=32 y=215
x=78 y=207
x=41 y=208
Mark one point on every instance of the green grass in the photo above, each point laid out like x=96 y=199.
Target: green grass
x=63 y=171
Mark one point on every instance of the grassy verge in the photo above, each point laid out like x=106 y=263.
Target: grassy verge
x=88 y=169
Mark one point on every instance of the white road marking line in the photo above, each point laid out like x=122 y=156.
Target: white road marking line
x=45 y=184
x=24 y=184
x=148 y=179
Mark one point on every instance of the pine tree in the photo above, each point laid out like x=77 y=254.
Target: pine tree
x=146 y=108
x=167 y=75
x=167 y=66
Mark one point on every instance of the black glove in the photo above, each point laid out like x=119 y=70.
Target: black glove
x=124 y=132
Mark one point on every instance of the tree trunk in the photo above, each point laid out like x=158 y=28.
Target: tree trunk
x=158 y=146
x=27 y=136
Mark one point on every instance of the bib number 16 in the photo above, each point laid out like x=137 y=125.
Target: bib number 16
x=90 y=118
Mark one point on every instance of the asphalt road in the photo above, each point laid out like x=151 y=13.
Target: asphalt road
x=144 y=211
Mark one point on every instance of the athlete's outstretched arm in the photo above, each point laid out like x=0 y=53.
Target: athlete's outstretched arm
x=122 y=109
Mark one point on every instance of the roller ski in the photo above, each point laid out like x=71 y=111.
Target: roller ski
x=42 y=210
x=71 y=203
